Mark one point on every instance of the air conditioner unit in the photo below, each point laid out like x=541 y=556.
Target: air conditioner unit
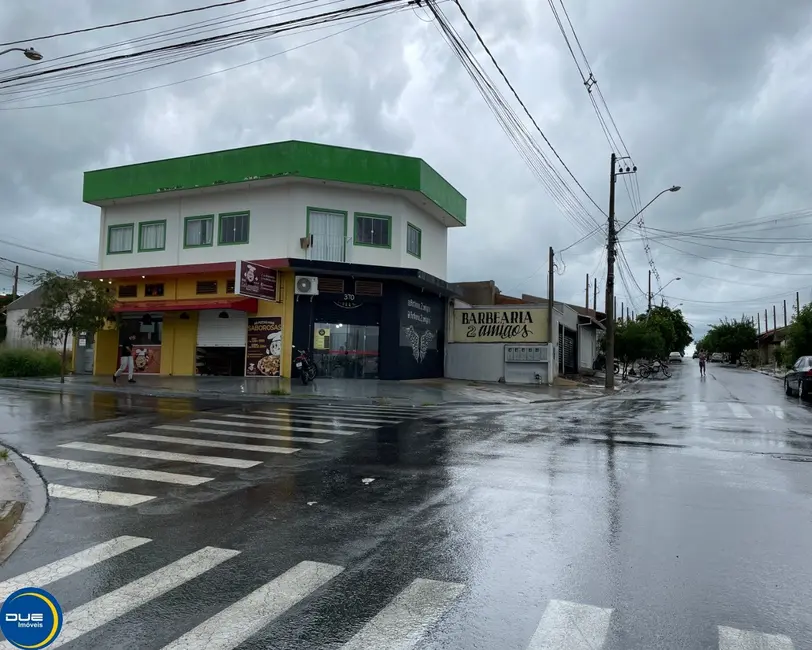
x=306 y=242
x=307 y=285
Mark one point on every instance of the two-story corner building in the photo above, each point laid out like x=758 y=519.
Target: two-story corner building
x=356 y=241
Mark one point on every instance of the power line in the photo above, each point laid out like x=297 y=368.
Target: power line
x=521 y=103
x=735 y=266
x=119 y=24
x=740 y=302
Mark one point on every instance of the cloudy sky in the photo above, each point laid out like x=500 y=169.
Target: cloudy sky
x=713 y=97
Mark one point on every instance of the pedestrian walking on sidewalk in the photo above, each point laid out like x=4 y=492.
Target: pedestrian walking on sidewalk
x=126 y=360
x=702 y=358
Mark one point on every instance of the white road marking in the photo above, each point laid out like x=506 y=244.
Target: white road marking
x=314 y=411
x=739 y=411
x=235 y=624
x=243 y=434
x=571 y=626
x=777 y=411
x=205 y=443
x=117 y=470
x=403 y=622
x=163 y=455
x=364 y=410
x=318 y=417
x=700 y=409
x=97 y=496
x=732 y=639
x=71 y=564
x=273 y=427
x=102 y=610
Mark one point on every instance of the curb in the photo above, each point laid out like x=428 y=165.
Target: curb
x=18 y=519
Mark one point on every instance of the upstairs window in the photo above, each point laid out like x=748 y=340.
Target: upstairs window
x=128 y=291
x=154 y=290
x=120 y=239
x=198 y=231
x=414 y=240
x=229 y=286
x=151 y=236
x=206 y=286
x=234 y=228
x=373 y=230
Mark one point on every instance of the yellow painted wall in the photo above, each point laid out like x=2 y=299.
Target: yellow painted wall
x=178 y=344
x=105 y=352
x=283 y=309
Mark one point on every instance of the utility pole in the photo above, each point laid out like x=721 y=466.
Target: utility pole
x=610 y=280
x=775 y=321
x=766 y=322
x=759 y=322
x=595 y=298
x=587 y=291
x=649 y=289
x=785 y=313
x=16 y=281
x=622 y=310
x=550 y=295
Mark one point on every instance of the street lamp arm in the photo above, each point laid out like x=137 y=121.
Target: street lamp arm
x=30 y=53
x=674 y=188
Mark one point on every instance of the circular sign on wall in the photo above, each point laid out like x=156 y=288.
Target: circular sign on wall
x=31 y=618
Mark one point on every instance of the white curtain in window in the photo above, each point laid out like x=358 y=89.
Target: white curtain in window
x=198 y=232
x=153 y=235
x=413 y=241
x=329 y=243
x=121 y=239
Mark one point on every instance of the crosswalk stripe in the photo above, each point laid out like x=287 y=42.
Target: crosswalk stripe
x=777 y=411
x=340 y=413
x=219 y=444
x=111 y=606
x=118 y=470
x=739 y=411
x=96 y=496
x=243 y=434
x=308 y=415
x=571 y=626
x=306 y=420
x=364 y=410
x=700 y=409
x=403 y=622
x=162 y=455
x=246 y=617
x=71 y=564
x=273 y=427
x=732 y=639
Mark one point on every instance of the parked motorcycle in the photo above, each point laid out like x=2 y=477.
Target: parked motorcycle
x=600 y=364
x=305 y=366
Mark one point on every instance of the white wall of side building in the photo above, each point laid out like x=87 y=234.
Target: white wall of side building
x=278 y=221
x=15 y=337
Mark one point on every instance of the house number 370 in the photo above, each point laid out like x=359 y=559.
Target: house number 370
x=349 y=297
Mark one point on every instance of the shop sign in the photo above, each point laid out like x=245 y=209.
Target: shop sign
x=419 y=323
x=500 y=325
x=348 y=302
x=263 y=350
x=320 y=337
x=255 y=281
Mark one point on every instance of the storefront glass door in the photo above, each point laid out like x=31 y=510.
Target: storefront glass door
x=346 y=351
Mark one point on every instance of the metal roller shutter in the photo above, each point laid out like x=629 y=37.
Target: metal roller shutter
x=216 y=332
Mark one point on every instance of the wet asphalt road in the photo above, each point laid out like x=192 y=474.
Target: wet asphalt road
x=675 y=516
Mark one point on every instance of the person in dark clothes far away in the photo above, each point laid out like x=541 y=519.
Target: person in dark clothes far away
x=703 y=356
x=127 y=360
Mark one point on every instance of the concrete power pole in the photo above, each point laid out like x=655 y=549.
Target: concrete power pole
x=649 y=289
x=551 y=295
x=595 y=297
x=775 y=320
x=766 y=322
x=785 y=313
x=16 y=282
x=759 y=322
x=610 y=281
x=587 y=291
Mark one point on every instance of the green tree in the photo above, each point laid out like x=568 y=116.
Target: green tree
x=731 y=337
x=678 y=336
x=69 y=305
x=799 y=336
x=638 y=340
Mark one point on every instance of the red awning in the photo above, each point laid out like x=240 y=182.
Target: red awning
x=238 y=302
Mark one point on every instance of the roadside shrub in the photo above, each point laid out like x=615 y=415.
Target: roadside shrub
x=23 y=362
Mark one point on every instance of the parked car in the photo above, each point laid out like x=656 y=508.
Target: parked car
x=718 y=357
x=696 y=354
x=798 y=380
x=675 y=357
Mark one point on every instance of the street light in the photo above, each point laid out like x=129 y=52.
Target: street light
x=30 y=53
x=673 y=188
x=666 y=284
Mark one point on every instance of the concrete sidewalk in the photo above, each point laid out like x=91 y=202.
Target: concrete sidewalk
x=416 y=392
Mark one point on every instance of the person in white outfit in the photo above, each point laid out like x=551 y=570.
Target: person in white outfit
x=127 y=360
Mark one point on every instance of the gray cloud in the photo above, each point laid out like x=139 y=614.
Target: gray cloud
x=711 y=97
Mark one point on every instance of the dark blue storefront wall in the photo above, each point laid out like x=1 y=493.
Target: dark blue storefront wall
x=411 y=327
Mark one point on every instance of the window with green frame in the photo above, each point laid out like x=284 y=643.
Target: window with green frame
x=414 y=240
x=120 y=238
x=372 y=230
x=198 y=231
x=151 y=236
x=234 y=228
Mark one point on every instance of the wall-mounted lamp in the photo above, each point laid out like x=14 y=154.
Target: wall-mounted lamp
x=147 y=319
x=184 y=316
x=223 y=314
